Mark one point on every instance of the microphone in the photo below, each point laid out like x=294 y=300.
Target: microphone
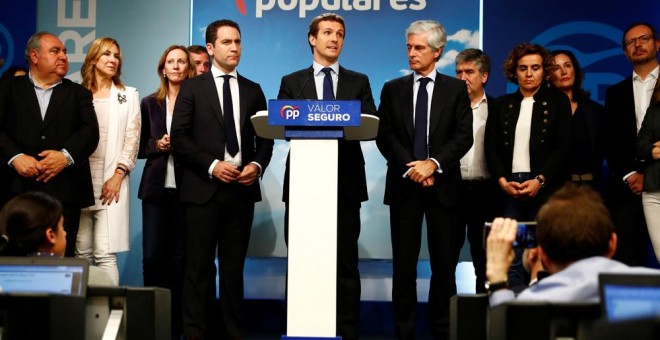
x=310 y=71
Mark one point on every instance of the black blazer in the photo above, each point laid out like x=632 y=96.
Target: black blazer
x=450 y=136
x=154 y=126
x=70 y=123
x=594 y=117
x=649 y=134
x=621 y=130
x=198 y=137
x=350 y=86
x=549 y=137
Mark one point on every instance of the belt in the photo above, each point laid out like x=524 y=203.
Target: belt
x=582 y=177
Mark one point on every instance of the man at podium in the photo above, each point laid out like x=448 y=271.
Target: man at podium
x=425 y=129
x=326 y=80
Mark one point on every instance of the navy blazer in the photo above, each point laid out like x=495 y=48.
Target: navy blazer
x=352 y=181
x=154 y=120
x=549 y=136
x=70 y=123
x=621 y=131
x=450 y=136
x=198 y=137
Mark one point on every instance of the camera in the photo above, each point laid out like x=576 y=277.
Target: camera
x=525 y=236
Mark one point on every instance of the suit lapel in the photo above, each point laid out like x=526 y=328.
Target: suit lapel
x=208 y=85
x=27 y=91
x=57 y=98
x=343 y=84
x=309 y=90
x=407 y=105
x=243 y=100
x=437 y=105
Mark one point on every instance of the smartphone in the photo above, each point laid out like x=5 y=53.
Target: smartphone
x=525 y=236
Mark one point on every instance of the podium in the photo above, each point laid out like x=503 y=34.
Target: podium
x=313 y=128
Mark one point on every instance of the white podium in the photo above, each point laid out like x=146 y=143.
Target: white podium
x=312 y=245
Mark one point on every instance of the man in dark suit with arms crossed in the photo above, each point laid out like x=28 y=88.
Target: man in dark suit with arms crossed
x=48 y=130
x=326 y=38
x=213 y=137
x=425 y=129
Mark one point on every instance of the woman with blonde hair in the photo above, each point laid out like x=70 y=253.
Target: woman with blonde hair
x=104 y=226
x=162 y=215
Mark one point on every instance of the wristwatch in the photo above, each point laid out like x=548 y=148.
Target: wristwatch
x=538 y=178
x=492 y=287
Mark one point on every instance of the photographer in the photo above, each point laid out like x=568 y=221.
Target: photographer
x=576 y=241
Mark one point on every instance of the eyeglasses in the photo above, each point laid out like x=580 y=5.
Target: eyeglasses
x=642 y=39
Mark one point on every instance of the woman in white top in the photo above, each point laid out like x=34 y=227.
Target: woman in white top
x=104 y=226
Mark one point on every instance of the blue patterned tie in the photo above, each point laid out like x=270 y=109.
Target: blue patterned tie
x=231 y=139
x=421 y=108
x=328 y=93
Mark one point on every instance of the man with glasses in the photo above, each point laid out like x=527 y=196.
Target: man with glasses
x=625 y=106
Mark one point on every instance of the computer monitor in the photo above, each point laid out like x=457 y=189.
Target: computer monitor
x=629 y=296
x=49 y=275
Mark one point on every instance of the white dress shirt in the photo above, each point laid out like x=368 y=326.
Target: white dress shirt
x=473 y=164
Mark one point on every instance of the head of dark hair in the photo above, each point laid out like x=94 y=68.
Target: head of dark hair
x=197 y=49
x=578 y=92
x=314 y=25
x=212 y=29
x=511 y=62
x=33 y=43
x=654 y=32
x=11 y=71
x=476 y=56
x=24 y=221
x=574 y=224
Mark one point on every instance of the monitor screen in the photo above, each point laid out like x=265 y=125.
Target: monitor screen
x=626 y=297
x=51 y=275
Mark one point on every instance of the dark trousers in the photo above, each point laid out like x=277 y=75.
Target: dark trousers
x=406 y=218
x=163 y=237
x=477 y=204
x=225 y=221
x=523 y=211
x=348 y=274
x=71 y=214
x=631 y=231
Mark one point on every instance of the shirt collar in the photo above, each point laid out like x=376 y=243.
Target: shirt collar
x=216 y=72
x=484 y=100
x=653 y=74
x=318 y=67
x=431 y=76
x=39 y=87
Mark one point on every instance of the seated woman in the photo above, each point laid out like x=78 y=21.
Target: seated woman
x=31 y=224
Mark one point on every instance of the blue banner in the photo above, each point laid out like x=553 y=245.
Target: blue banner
x=314 y=112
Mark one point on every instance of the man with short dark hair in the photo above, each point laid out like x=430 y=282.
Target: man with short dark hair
x=576 y=241
x=326 y=39
x=478 y=191
x=625 y=107
x=223 y=159
x=48 y=130
x=201 y=59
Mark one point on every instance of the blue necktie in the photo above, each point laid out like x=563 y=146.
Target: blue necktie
x=328 y=93
x=231 y=139
x=421 y=108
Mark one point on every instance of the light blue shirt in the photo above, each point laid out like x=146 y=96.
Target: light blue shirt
x=578 y=282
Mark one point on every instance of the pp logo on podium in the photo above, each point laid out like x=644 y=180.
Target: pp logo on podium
x=290 y=112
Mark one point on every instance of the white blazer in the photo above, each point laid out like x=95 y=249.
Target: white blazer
x=123 y=141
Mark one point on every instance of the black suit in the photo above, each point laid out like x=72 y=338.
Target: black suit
x=163 y=218
x=216 y=212
x=625 y=206
x=449 y=138
x=70 y=123
x=352 y=190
